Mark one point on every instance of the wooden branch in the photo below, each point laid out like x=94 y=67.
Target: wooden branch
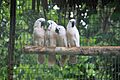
x=84 y=50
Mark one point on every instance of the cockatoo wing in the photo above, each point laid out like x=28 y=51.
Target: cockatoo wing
x=77 y=38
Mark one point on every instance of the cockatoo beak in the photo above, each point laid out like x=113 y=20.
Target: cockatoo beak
x=57 y=31
x=73 y=24
x=43 y=23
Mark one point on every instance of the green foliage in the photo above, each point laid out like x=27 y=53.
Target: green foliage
x=87 y=67
x=26 y=66
x=4 y=30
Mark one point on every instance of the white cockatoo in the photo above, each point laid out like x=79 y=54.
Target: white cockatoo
x=38 y=36
x=72 y=38
x=51 y=37
x=61 y=41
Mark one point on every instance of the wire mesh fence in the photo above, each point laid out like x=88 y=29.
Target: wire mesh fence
x=92 y=33
x=100 y=67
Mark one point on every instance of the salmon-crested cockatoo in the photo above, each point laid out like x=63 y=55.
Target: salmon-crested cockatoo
x=38 y=36
x=51 y=37
x=72 y=38
x=61 y=41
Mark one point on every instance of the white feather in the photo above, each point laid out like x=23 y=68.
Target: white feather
x=62 y=38
x=73 y=34
x=51 y=34
x=38 y=32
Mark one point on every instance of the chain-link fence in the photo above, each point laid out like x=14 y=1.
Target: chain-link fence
x=98 y=24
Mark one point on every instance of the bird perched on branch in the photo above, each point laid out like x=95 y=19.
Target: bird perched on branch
x=38 y=36
x=51 y=37
x=61 y=41
x=72 y=38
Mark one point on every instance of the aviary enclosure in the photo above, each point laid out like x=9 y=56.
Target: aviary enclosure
x=98 y=22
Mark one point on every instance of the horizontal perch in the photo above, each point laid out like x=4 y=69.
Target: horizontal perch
x=84 y=50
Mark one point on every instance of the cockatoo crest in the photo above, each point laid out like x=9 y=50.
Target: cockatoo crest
x=52 y=25
x=71 y=23
x=39 y=22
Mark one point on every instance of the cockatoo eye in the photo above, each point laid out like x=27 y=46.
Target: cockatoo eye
x=59 y=28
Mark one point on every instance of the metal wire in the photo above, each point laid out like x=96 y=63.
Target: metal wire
x=100 y=67
x=103 y=70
